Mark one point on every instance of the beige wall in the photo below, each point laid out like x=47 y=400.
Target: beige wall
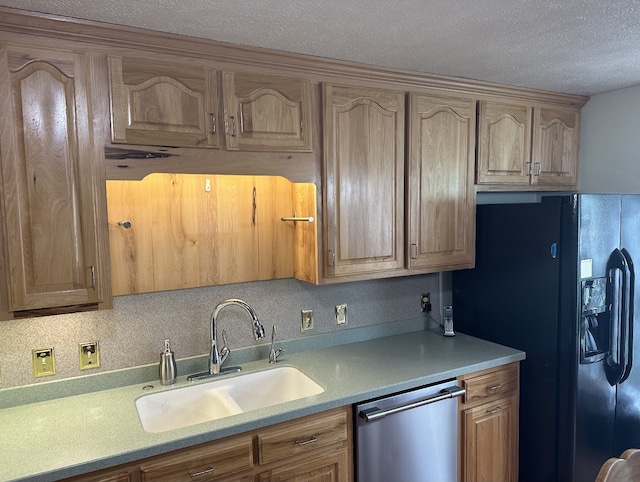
x=131 y=334
x=610 y=143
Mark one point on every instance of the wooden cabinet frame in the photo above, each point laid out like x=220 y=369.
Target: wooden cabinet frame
x=527 y=146
x=273 y=453
x=213 y=76
x=52 y=182
x=488 y=425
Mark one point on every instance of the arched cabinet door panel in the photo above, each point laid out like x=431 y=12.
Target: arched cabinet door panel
x=441 y=197
x=167 y=101
x=50 y=201
x=555 y=146
x=161 y=102
x=364 y=180
x=266 y=113
x=504 y=143
x=528 y=145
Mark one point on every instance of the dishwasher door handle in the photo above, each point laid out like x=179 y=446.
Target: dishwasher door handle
x=374 y=413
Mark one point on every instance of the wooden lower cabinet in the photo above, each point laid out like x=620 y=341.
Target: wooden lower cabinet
x=313 y=448
x=131 y=474
x=489 y=425
x=328 y=467
x=222 y=460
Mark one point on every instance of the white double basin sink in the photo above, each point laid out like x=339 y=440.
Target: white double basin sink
x=212 y=400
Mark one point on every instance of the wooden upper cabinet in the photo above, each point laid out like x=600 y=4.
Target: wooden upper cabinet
x=528 y=145
x=264 y=113
x=364 y=180
x=504 y=144
x=441 y=197
x=161 y=102
x=555 y=146
x=49 y=182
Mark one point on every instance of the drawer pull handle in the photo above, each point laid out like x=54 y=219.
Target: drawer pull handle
x=312 y=440
x=495 y=387
x=495 y=410
x=202 y=472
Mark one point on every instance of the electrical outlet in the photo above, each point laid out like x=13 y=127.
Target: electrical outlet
x=425 y=302
x=89 y=355
x=307 y=320
x=43 y=362
x=341 y=314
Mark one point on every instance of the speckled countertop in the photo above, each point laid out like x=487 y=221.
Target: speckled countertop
x=59 y=438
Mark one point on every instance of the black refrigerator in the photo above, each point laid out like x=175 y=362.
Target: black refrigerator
x=556 y=280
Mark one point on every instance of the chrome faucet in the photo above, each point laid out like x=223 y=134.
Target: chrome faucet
x=218 y=357
x=273 y=353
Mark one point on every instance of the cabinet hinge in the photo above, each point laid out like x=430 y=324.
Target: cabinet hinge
x=414 y=251
x=332 y=258
x=213 y=122
x=93 y=278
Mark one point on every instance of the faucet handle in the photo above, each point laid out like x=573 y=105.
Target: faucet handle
x=224 y=351
x=273 y=353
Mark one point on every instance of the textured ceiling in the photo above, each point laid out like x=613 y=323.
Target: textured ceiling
x=572 y=46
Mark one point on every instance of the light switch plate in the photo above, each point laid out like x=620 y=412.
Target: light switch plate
x=44 y=363
x=89 y=355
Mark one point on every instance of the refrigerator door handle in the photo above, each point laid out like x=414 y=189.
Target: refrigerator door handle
x=616 y=362
x=628 y=342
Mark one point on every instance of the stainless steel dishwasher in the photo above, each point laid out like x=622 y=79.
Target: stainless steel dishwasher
x=410 y=436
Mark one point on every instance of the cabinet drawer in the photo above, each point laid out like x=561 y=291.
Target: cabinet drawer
x=302 y=436
x=207 y=463
x=492 y=384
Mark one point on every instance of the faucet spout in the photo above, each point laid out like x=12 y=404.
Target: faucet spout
x=218 y=356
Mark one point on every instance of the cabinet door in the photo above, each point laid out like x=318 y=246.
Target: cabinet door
x=161 y=102
x=441 y=195
x=504 y=146
x=491 y=442
x=118 y=475
x=364 y=180
x=264 y=113
x=48 y=179
x=327 y=467
x=555 y=146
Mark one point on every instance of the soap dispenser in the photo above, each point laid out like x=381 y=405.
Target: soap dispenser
x=168 y=369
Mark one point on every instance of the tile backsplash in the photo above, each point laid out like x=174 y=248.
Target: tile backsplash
x=132 y=333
